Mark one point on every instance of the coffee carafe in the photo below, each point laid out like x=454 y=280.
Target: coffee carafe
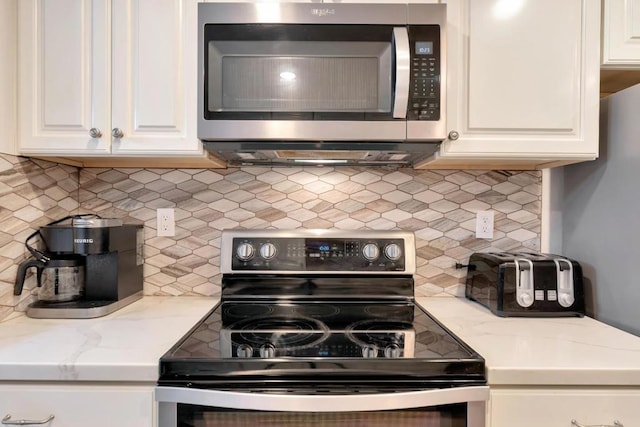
x=58 y=279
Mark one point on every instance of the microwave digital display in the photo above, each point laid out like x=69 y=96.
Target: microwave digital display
x=424 y=48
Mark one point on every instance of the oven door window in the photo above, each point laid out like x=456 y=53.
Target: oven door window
x=439 y=416
x=298 y=72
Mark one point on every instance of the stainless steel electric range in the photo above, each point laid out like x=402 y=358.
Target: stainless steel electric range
x=315 y=328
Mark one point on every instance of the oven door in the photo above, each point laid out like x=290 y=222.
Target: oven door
x=453 y=407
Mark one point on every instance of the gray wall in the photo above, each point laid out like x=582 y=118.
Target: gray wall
x=601 y=214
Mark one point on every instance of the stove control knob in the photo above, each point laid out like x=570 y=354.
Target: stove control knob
x=245 y=251
x=393 y=251
x=244 y=351
x=369 y=351
x=371 y=252
x=392 y=351
x=268 y=251
x=268 y=351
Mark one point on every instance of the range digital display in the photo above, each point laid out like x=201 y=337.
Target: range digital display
x=322 y=246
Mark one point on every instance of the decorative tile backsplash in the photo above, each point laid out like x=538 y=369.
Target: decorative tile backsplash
x=32 y=193
x=438 y=205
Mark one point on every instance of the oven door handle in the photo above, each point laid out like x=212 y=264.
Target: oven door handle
x=403 y=67
x=321 y=402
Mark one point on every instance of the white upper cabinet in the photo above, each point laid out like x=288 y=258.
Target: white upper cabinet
x=154 y=76
x=64 y=88
x=108 y=77
x=523 y=82
x=621 y=33
x=8 y=77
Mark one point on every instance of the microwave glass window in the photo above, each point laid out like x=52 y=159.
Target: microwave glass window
x=300 y=76
x=424 y=48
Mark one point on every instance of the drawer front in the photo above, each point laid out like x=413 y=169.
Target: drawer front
x=79 y=405
x=538 y=407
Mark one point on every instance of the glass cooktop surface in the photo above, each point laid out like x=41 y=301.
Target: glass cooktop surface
x=320 y=341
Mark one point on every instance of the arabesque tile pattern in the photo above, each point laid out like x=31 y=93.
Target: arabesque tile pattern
x=32 y=193
x=439 y=206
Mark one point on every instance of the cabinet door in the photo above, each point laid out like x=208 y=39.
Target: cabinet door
x=621 y=34
x=557 y=407
x=154 y=77
x=79 y=405
x=8 y=78
x=63 y=71
x=523 y=79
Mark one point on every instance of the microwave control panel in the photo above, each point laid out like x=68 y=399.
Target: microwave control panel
x=424 y=86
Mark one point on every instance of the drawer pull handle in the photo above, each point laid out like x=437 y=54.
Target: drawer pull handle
x=8 y=421
x=616 y=423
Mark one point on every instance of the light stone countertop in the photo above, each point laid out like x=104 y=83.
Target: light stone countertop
x=542 y=351
x=126 y=345
x=123 y=346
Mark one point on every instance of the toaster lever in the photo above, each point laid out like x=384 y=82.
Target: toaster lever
x=524 y=282
x=564 y=280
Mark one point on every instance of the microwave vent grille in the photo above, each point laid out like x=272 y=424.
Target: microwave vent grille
x=322 y=154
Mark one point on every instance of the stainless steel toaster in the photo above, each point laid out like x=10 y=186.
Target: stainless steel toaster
x=526 y=284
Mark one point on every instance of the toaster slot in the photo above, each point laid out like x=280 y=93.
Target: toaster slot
x=564 y=274
x=524 y=282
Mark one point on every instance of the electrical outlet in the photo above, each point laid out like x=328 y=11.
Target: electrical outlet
x=484 y=225
x=166 y=222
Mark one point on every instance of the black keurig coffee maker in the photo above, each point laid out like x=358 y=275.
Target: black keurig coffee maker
x=86 y=267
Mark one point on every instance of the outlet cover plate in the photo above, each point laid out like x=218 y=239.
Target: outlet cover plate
x=484 y=225
x=166 y=222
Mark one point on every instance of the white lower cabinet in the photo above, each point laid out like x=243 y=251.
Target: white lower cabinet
x=557 y=407
x=77 y=405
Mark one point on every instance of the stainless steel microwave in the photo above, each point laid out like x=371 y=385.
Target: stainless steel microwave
x=351 y=83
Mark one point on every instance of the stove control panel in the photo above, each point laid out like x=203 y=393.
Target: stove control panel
x=318 y=254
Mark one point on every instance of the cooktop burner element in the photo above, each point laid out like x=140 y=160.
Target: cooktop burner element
x=319 y=307
x=272 y=335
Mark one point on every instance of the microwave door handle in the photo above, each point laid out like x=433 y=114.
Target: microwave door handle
x=403 y=68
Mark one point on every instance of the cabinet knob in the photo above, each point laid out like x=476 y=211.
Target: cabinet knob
x=117 y=133
x=9 y=422
x=95 y=133
x=453 y=135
